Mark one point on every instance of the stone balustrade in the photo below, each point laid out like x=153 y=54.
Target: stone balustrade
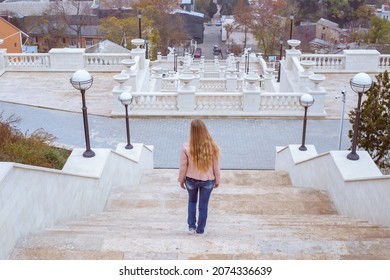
x=348 y=60
x=384 y=62
x=222 y=104
x=214 y=81
x=67 y=59
x=212 y=84
x=325 y=61
x=94 y=61
x=154 y=101
x=27 y=60
x=212 y=102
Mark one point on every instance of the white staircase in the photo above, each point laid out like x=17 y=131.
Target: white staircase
x=252 y=215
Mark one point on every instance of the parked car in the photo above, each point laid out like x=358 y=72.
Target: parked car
x=198 y=52
x=216 y=50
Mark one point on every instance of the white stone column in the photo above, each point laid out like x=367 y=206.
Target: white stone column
x=139 y=52
x=318 y=93
x=67 y=59
x=157 y=75
x=304 y=80
x=361 y=60
x=290 y=53
x=222 y=72
x=186 y=93
x=318 y=107
x=170 y=57
x=251 y=93
x=231 y=79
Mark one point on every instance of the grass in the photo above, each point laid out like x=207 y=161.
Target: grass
x=35 y=149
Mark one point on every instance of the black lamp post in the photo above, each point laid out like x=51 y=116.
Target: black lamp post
x=139 y=15
x=246 y=70
x=125 y=98
x=291 y=24
x=280 y=56
x=82 y=81
x=306 y=100
x=360 y=83
x=174 y=60
x=147 y=47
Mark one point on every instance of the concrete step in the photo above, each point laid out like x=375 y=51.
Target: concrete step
x=230 y=177
x=253 y=215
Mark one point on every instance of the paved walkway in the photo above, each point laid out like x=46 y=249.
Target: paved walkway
x=246 y=143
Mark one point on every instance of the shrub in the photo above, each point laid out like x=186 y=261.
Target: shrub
x=35 y=149
x=374 y=129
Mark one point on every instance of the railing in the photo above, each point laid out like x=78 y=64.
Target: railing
x=100 y=59
x=384 y=62
x=27 y=60
x=42 y=60
x=211 y=73
x=325 y=62
x=232 y=103
x=154 y=102
x=219 y=102
x=207 y=84
x=280 y=102
x=169 y=84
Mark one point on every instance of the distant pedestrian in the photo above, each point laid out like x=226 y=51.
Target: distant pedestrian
x=199 y=173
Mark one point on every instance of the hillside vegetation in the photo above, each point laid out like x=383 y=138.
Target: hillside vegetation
x=35 y=149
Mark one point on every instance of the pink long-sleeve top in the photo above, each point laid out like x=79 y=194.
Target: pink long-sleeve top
x=188 y=169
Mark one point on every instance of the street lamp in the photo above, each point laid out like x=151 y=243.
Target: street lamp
x=360 y=83
x=342 y=116
x=291 y=24
x=125 y=98
x=139 y=15
x=82 y=81
x=280 y=56
x=246 y=63
x=147 y=47
x=174 y=60
x=306 y=100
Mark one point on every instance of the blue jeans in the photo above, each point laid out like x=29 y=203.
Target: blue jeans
x=203 y=189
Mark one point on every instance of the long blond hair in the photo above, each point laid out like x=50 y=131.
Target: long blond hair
x=202 y=146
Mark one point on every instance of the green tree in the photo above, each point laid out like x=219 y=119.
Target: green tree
x=163 y=23
x=374 y=129
x=304 y=10
x=267 y=26
x=201 y=6
x=243 y=17
x=48 y=26
x=74 y=14
x=212 y=9
x=116 y=29
x=364 y=14
x=379 y=31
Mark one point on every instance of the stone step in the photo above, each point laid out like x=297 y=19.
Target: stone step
x=219 y=229
x=263 y=200
x=231 y=177
x=263 y=246
x=253 y=215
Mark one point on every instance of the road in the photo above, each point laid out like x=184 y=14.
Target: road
x=212 y=36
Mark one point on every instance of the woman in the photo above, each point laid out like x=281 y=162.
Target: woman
x=199 y=173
